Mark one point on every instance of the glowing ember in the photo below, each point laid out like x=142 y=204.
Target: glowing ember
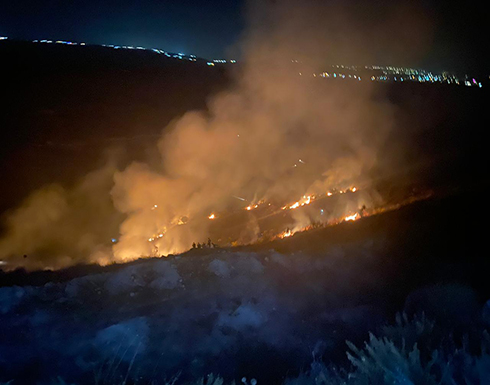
x=286 y=234
x=329 y=194
x=212 y=216
x=307 y=201
x=351 y=217
x=353 y=189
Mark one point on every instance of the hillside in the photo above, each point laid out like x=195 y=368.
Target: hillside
x=257 y=311
x=65 y=106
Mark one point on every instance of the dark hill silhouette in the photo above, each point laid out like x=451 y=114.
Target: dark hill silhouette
x=64 y=105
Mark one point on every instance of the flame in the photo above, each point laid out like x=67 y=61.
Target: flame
x=352 y=217
x=251 y=207
x=307 y=201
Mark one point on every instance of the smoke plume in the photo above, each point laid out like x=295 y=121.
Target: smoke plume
x=57 y=227
x=277 y=133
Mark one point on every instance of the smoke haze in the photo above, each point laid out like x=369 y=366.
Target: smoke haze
x=248 y=143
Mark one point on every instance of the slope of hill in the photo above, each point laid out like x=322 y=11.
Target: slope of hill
x=65 y=106
x=259 y=311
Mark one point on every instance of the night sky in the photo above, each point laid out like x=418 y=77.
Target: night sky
x=204 y=28
x=209 y=28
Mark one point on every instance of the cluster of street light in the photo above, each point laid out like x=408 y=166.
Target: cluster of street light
x=372 y=73
x=397 y=74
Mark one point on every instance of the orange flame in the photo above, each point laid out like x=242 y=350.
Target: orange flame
x=351 y=217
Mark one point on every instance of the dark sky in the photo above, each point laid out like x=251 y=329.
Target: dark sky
x=203 y=28
x=209 y=28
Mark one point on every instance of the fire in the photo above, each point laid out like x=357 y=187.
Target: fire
x=356 y=216
x=306 y=200
x=351 y=217
x=155 y=237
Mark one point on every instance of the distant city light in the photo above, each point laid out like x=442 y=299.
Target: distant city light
x=382 y=73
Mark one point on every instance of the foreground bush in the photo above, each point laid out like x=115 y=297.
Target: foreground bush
x=411 y=352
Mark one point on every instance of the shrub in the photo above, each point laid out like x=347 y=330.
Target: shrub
x=407 y=354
